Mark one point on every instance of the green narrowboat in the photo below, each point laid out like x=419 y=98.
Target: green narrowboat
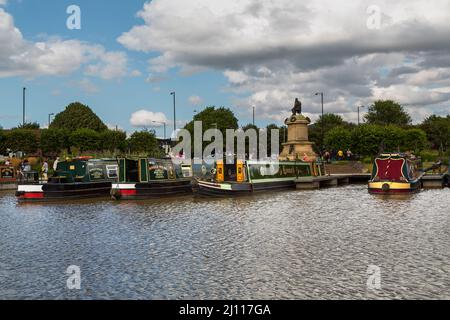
x=147 y=178
x=77 y=178
x=247 y=177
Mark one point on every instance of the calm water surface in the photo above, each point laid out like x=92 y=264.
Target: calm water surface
x=294 y=245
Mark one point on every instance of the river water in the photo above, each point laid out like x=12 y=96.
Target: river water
x=287 y=245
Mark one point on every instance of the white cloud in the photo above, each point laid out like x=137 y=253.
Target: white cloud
x=145 y=118
x=195 y=100
x=275 y=51
x=112 y=65
x=19 y=57
x=136 y=73
x=85 y=85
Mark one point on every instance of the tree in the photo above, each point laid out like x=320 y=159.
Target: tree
x=330 y=121
x=85 y=140
x=415 y=139
x=221 y=118
x=22 y=140
x=29 y=126
x=113 y=140
x=437 y=130
x=385 y=112
x=53 y=140
x=338 y=138
x=144 y=142
x=78 y=116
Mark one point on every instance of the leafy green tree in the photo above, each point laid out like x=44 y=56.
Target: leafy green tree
x=366 y=140
x=78 y=116
x=221 y=118
x=53 y=140
x=338 y=138
x=29 y=126
x=330 y=121
x=22 y=140
x=85 y=140
x=437 y=130
x=415 y=139
x=385 y=112
x=144 y=142
x=112 y=140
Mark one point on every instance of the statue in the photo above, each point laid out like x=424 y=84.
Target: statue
x=297 y=107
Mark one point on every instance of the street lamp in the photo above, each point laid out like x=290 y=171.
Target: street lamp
x=321 y=94
x=174 y=111
x=359 y=107
x=23 y=106
x=254 y=115
x=49 y=119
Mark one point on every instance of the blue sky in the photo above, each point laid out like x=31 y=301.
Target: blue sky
x=115 y=99
x=129 y=55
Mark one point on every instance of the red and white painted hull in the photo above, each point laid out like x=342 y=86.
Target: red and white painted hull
x=152 y=189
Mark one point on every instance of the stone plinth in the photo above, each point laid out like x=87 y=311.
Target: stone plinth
x=298 y=145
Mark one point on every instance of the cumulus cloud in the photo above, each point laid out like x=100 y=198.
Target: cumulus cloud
x=278 y=50
x=145 y=118
x=19 y=57
x=195 y=100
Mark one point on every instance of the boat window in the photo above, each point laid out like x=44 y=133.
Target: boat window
x=6 y=173
x=96 y=173
x=112 y=171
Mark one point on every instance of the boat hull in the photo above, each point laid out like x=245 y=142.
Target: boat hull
x=389 y=187
x=151 y=190
x=63 y=191
x=226 y=189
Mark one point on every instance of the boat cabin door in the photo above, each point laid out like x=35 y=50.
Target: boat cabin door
x=143 y=170
x=122 y=168
x=220 y=173
x=240 y=174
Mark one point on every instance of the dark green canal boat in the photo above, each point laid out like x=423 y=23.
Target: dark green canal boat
x=147 y=178
x=77 y=178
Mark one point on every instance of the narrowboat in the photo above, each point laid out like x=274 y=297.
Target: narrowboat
x=8 y=180
x=76 y=178
x=395 y=173
x=147 y=178
x=250 y=176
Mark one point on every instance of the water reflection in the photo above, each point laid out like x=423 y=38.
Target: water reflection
x=293 y=245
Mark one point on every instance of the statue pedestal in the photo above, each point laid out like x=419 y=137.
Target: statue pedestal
x=298 y=146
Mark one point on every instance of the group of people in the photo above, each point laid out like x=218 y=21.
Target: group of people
x=25 y=170
x=333 y=155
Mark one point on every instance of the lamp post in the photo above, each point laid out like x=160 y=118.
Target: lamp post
x=321 y=95
x=49 y=118
x=254 y=115
x=23 y=107
x=174 y=112
x=359 y=107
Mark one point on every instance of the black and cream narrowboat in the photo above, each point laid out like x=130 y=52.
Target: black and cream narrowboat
x=247 y=177
x=76 y=178
x=147 y=178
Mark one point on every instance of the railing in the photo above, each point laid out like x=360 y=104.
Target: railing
x=28 y=177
